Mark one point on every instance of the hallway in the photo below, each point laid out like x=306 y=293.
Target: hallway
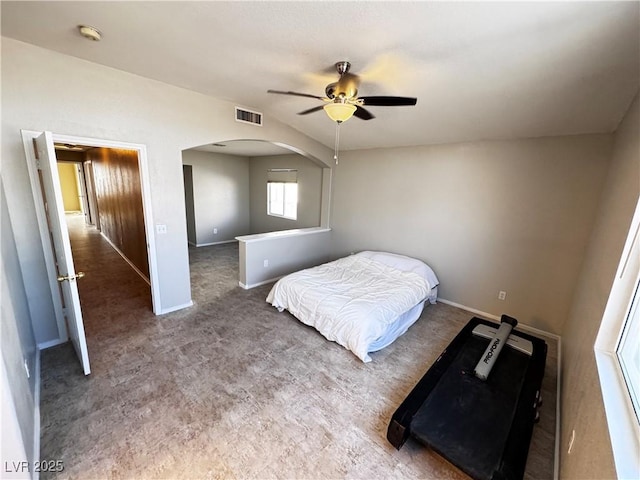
x=114 y=298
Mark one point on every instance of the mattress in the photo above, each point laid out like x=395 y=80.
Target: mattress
x=362 y=302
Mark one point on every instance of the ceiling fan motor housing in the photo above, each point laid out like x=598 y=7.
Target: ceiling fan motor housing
x=346 y=87
x=330 y=91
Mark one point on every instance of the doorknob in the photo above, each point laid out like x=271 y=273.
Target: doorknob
x=62 y=278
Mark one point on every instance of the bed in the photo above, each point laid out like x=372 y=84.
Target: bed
x=363 y=302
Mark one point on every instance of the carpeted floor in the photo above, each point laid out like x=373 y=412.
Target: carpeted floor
x=230 y=388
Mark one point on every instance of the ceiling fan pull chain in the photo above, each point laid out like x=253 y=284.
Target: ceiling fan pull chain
x=337 y=144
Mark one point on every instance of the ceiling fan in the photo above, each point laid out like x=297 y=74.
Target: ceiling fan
x=342 y=101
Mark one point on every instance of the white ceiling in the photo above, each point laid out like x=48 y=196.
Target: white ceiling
x=480 y=70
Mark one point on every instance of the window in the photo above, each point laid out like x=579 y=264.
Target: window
x=618 y=357
x=282 y=193
x=628 y=351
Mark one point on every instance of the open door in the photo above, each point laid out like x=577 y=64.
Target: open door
x=66 y=275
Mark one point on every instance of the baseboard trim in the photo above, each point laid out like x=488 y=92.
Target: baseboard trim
x=539 y=332
x=215 y=243
x=51 y=343
x=176 y=308
x=36 y=414
x=521 y=326
x=258 y=284
x=469 y=309
x=124 y=257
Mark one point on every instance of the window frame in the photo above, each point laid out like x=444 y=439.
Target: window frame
x=622 y=421
x=627 y=350
x=270 y=184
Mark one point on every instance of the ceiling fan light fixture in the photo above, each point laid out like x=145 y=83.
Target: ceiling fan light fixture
x=339 y=112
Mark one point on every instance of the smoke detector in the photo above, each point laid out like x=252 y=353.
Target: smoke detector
x=89 y=32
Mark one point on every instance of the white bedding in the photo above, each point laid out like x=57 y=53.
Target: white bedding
x=361 y=301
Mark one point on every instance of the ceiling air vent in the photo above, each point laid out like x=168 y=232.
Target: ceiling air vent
x=247 y=116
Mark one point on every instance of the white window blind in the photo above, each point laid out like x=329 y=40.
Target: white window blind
x=282 y=175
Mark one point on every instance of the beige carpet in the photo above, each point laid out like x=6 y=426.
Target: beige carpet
x=230 y=388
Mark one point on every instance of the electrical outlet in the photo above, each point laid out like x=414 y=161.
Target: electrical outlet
x=215 y=231
x=266 y=263
x=161 y=229
x=502 y=295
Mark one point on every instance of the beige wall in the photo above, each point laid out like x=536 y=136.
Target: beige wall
x=17 y=343
x=309 y=193
x=487 y=216
x=220 y=195
x=230 y=194
x=582 y=407
x=69 y=185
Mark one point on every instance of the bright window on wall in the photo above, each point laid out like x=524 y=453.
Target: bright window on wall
x=628 y=352
x=282 y=193
x=617 y=353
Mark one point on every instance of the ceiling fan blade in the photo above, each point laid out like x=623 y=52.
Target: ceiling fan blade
x=311 y=110
x=295 y=94
x=362 y=114
x=389 y=101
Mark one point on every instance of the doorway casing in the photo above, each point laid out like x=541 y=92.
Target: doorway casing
x=27 y=139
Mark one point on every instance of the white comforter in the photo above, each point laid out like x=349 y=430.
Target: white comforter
x=351 y=301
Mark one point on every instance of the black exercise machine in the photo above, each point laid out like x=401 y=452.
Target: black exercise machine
x=477 y=404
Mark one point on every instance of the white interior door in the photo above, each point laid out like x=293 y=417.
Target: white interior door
x=66 y=275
